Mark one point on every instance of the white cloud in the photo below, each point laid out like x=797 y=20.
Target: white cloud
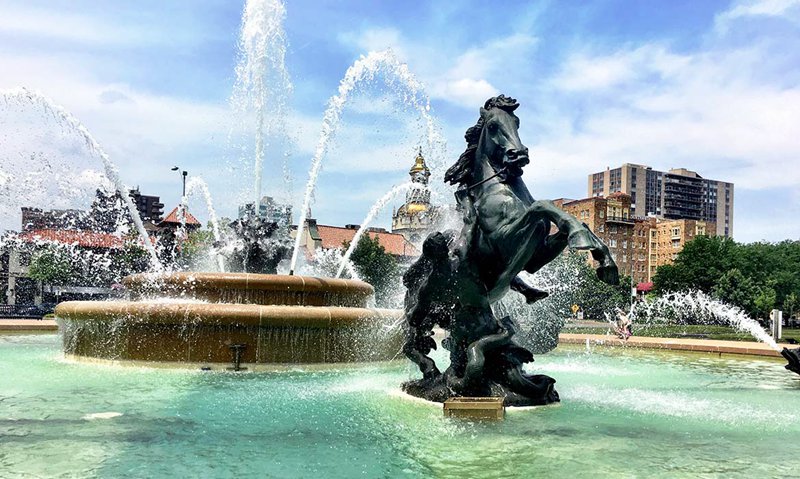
x=462 y=77
x=728 y=111
x=585 y=71
x=751 y=8
x=465 y=91
x=375 y=39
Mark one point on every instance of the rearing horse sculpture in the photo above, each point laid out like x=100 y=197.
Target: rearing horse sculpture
x=459 y=275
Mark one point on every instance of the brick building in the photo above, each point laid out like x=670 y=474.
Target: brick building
x=667 y=238
x=611 y=220
x=638 y=245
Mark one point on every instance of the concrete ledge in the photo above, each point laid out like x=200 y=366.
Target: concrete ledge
x=677 y=344
x=28 y=325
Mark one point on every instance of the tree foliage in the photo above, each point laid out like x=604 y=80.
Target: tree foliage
x=378 y=268
x=51 y=266
x=571 y=280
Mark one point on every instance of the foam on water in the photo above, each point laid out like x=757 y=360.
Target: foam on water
x=102 y=415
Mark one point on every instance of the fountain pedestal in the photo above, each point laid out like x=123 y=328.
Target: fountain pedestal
x=206 y=318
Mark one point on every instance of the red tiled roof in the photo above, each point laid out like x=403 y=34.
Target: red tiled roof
x=85 y=239
x=172 y=217
x=394 y=243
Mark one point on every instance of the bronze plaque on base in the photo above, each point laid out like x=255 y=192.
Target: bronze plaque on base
x=475 y=407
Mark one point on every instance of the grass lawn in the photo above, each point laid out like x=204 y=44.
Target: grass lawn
x=677 y=331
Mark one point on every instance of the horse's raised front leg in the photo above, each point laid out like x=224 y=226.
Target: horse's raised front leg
x=580 y=237
x=531 y=294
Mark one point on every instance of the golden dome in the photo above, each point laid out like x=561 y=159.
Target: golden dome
x=416 y=208
x=419 y=164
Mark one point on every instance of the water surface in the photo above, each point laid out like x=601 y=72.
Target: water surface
x=625 y=413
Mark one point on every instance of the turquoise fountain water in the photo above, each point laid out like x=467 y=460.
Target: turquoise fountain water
x=624 y=413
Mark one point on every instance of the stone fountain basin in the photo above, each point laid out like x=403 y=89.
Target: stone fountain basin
x=292 y=328
x=250 y=288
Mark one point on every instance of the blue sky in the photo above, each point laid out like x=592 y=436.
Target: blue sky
x=711 y=86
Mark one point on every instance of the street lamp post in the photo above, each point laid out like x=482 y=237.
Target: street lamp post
x=183 y=173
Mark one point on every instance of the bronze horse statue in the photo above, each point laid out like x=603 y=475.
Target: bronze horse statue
x=461 y=274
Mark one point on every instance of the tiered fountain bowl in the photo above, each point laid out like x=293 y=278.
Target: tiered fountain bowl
x=207 y=319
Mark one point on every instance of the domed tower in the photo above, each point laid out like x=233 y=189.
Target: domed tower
x=413 y=219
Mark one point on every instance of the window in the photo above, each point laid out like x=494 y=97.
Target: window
x=601 y=228
x=625 y=244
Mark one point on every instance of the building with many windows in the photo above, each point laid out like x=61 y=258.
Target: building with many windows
x=638 y=245
x=610 y=219
x=676 y=194
x=667 y=238
x=268 y=209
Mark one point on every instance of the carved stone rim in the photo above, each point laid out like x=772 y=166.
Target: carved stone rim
x=247 y=281
x=322 y=317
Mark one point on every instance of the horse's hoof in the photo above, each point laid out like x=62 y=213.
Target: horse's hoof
x=535 y=295
x=608 y=274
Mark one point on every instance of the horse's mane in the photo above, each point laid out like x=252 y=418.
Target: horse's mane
x=461 y=172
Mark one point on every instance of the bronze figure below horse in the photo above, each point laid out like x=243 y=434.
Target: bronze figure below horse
x=459 y=275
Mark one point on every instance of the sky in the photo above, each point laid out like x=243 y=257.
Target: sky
x=712 y=86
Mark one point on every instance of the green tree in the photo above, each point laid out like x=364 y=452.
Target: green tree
x=765 y=301
x=577 y=283
x=50 y=265
x=195 y=247
x=736 y=289
x=790 y=304
x=700 y=265
x=378 y=268
x=132 y=258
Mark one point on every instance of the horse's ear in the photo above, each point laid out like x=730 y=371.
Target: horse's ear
x=484 y=111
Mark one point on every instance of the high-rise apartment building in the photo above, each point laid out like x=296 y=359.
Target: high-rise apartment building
x=150 y=207
x=676 y=194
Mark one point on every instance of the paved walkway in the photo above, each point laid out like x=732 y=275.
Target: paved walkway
x=28 y=325
x=684 y=344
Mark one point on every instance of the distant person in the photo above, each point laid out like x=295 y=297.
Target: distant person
x=623 y=327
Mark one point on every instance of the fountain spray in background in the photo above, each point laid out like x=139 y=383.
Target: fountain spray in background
x=24 y=98
x=698 y=307
x=400 y=80
x=373 y=212
x=198 y=184
x=262 y=81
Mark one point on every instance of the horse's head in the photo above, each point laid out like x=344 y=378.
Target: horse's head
x=499 y=138
x=495 y=136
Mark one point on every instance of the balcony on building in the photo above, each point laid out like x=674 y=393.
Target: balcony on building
x=620 y=219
